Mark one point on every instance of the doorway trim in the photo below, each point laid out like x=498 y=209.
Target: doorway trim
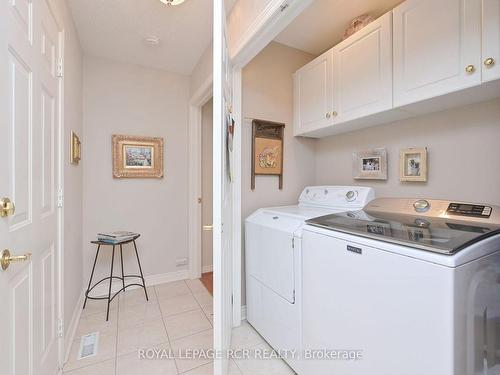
x=274 y=19
x=60 y=133
x=202 y=95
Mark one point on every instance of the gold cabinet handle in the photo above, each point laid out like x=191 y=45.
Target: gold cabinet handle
x=334 y=113
x=208 y=227
x=490 y=61
x=6 y=259
x=470 y=68
x=7 y=207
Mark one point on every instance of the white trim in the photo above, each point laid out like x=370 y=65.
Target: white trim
x=243 y=313
x=198 y=99
x=151 y=280
x=69 y=337
x=265 y=28
x=207 y=269
x=236 y=189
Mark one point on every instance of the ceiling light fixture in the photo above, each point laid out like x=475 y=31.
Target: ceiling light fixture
x=172 y=2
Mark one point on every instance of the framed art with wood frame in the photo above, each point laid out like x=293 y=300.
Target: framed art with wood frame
x=267 y=150
x=137 y=157
x=413 y=164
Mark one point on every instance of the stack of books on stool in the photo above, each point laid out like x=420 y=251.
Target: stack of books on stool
x=116 y=237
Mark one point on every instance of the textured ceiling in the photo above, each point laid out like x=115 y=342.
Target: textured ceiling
x=116 y=29
x=321 y=25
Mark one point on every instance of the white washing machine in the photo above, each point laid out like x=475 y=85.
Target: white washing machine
x=273 y=259
x=411 y=285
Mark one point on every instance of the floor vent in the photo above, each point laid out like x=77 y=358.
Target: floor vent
x=88 y=345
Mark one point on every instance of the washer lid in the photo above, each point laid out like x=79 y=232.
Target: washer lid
x=443 y=235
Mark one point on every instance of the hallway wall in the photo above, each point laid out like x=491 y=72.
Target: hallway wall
x=131 y=100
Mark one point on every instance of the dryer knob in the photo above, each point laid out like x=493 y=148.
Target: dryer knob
x=351 y=195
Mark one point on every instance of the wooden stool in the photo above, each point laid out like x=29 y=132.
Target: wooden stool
x=111 y=277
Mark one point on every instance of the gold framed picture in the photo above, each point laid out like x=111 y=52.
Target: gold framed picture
x=137 y=157
x=413 y=164
x=75 y=153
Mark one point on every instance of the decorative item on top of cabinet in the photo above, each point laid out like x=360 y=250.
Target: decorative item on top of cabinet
x=370 y=165
x=357 y=24
x=267 y=150
x=413 y=164
x=75 y=149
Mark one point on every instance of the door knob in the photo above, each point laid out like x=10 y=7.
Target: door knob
x=7 y=208
x=6 y=259
x=208 y=227
x=470 y=69
x=489 y=61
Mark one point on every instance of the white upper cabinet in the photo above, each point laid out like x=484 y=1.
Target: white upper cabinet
x=437 y=48
x=491 y=40
x=313 y=94
x=362 y=71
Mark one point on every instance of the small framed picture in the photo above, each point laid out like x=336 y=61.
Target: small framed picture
x=137 y=157
x=413 y=164
x=370 y=165
x=75 y=149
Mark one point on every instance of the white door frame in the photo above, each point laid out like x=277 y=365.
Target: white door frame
x=276 y=17
x=62 y=349
x=255 y=39
x=198 y=100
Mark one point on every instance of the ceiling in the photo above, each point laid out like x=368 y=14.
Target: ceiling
x=322 y=25
x=116 y=29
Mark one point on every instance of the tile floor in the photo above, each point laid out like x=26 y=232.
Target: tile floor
x=178 y=315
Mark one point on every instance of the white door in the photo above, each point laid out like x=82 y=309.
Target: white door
x=222 y=191
x=29 y=124
x=313 y=94
x=362 y=71
x=491 y=40
x=437 y=48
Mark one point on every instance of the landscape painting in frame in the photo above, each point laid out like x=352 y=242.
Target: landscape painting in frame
x=370 y=165
x=137 y=157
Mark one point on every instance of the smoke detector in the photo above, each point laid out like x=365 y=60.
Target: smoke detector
x=172 y=2
x=152 y=41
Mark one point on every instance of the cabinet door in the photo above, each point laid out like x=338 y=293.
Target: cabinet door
x=491 y=40
x=363 y=71
x=313 y=94
x=436 y=48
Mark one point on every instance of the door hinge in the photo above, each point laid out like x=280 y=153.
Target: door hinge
x=60 y=198
x=60 y=328
x=60 y=68
x=293 y=243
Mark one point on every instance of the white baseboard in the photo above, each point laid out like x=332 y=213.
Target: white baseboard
x=103 y=289
x=206 y=269
x=73 y=325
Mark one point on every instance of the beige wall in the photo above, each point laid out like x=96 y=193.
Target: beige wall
x=202 y=71
x=267 y=87
x=463 y=154
x=127 y=99
x=206 y=183
x=72 y=251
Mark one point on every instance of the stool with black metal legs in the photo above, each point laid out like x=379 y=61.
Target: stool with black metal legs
x=110 y=297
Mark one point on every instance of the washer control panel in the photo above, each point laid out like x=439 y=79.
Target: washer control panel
x=471 y=210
